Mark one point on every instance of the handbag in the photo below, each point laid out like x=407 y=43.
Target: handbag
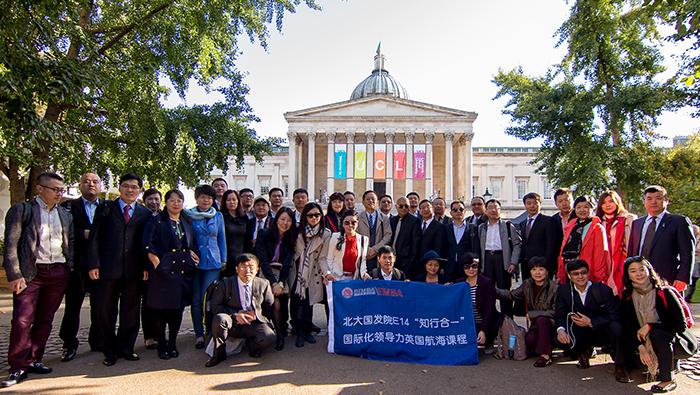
x=510 y=341
x=277 y=269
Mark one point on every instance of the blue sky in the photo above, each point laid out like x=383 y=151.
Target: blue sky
x=443 y=52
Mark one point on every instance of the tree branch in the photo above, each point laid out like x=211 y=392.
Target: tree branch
x=129 y=28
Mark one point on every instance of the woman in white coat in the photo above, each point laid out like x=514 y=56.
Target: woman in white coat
x=347 y=253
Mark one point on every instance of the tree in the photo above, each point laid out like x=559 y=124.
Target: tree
x=596 y=110
x=80 y=87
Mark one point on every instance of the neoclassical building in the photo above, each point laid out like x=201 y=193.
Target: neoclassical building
x=380 y=139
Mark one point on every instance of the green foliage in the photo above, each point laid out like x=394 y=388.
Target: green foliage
x=80 y=86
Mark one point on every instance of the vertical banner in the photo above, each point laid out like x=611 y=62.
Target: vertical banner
x=340 y=166
x=419 y=161
x=399 y=161
x=379 y=161
x=360 y=161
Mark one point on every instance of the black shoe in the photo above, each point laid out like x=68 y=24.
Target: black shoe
x=132 y=356
x=309 y=338
x=151 y=344
x=163 y=355
x=657 y=389
x=199 y=344
x=300 y=341
x=621 y=375
x=14 y=378
x=68 y=354
x=213 y=361
x=315 y=329
x=255 y=353
x=583 y=362
x=109 y=361
x=40 y=368
x=173 y=353
x=279 y=346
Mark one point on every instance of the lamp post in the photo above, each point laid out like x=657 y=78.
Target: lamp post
x=487 y=195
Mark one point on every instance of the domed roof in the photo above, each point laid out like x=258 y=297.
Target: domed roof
x=380 y=82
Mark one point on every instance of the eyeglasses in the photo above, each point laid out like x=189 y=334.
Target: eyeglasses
x=402 y=205
x=578 y=273
x=473 y=266
x=130 y=187
x=460 y=209
x=349 y=222
x=54 y=189
x=313 y=215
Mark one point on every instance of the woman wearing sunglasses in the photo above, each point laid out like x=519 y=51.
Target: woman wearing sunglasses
x=347 y=253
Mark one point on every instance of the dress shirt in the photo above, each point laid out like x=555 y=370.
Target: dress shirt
x=459 y=230
x=582 y=295
x=297 y=216
x=647 y=221
x=90 y=208
x=493 y=237
x=531 y=222
x=50 y=248
x=259 y=223
x=242 y=295
x=387 y=277
x=565 y=221
x=122 y=204
x=372 y=219
x=425 y=223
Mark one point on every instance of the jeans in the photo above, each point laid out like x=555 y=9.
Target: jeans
x=202 y=280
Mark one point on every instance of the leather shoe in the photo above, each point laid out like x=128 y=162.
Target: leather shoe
x=68 y=354
x=109 y=361
x=164 y=355
x=657 y=389
x=315 y=329
x=199 y=344
x=174 y=353
x=132 y=356
x=14 y=378
x=621 y=375
x=300 y=341
x=309 y=338
x=583 y=362
x=542 y=362
x=40 y=368
x=213 y=361
x=255 y=353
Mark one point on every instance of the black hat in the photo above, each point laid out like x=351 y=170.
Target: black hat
x=433 y=256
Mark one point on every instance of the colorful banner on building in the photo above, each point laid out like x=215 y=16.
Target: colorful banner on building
x=379 y=161
x=360 y=162
x=341 y=162
x=399 y=161
x=402 y=321
x=419 y=162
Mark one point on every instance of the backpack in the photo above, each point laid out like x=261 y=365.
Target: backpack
x=510 y=328
x=208 y=315
x=687 y=314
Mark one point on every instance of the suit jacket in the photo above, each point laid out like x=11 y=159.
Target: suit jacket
x=672 y=251
x=81 y=226
x=445 y=220
x=250 y=229
x=432 y=239
x=265 y=251
x=407 y=242
x=480 y=221
x=455 y=251
x=601 y=305
x=396 y=274
x=541 y=241
x=510 y=256
x=115 y=247
x=594 y=250
x=226 y=299
x=21 y=240
x=333 y=263
x=381 y=226
x=558 y=230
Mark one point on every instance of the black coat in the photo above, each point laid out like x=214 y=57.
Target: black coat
x=455 y=251
x=396 y=274
x=481 y=220
x=252 y=223
x=265 y=251
x=541 y=241
x=236 y=229
x=491 y=319
x=170 y=284
x=116 y=247
x=432 y=239
x=407 y=243
x=81 y=224
x=601 y=306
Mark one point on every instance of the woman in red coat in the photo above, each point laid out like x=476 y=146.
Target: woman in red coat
x=585 y=238
x=618 y=224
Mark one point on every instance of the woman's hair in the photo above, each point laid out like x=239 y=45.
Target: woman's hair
x=205 y=189
x=466 y=259
x=224 y=209
x=305 y=221
x=584 y=199
x=289 y=236
x=656 y=280
x=615 y=198
x=346 y=213
x=335 y=196
x=172 y=192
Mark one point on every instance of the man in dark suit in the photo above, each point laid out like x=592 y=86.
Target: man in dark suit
x=462 y=238
x=116 y=260
x=404 y=235
x=261 y=220
x=478 y=206
x=439 y=207
x=83 y=210
x=237 y=306
x=375 y=225
x=588 y=312
x=220 y=186
x=564 y=200
x=538 y=237
x=386 y=270
x=431 y=237
x=665 y=239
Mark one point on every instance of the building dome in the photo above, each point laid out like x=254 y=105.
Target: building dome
x=380 y=82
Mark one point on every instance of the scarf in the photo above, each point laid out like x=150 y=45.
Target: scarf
x=302 y=280
x=644 y=300
x=197 y=215
x=572 y=248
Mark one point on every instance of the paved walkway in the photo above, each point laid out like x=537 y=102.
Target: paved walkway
x=311 y=370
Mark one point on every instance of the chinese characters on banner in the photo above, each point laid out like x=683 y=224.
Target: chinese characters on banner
x=341 y=157
x=402 y=321
x=419 y=161
x=379 y=161
x=399 y=161
x=360 y=161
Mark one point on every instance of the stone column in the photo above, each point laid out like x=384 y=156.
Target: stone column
x=311 y=165
x=469 y=170
x=389 y=135
x=350 y=181
x=369 y=156
x=330 y=172
x=410 y=135
x=291 y=167
x=429 y=188
x=449 y=177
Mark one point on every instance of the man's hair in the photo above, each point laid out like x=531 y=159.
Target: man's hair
x=656 y=188
x=219 y=179
x=532 y=195
x=438 y=198
x=300 y=190
x=367 y=193
x=386 y=249
x=204 y=189
x=244 y=190
x=45 y=176
x=275 y=189
x=129 y=177
x=457 y=202
x=562 y=191
x=537 y=261
x=576 y=264
x=425 y=201
x=480 y=198
x=385 y=195
x=493 y=201
x=152 y=191
x=413 y=193
x=170 y=193
x=349 y=193
x=247 y=257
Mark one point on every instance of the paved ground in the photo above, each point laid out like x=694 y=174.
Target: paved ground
x=311 y=370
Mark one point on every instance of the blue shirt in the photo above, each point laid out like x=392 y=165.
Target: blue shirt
x=210 y=237
x=90 y=208
x=122 y=204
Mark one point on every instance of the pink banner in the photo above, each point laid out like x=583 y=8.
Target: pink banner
x=399 y=161
x=419 y=161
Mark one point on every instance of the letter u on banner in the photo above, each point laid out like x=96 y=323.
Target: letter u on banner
x=379 y=161
x=360 y=161
x=419 y=161
x=341 y=157
x=399 y=161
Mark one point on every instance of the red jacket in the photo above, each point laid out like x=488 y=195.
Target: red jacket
x=594 y=250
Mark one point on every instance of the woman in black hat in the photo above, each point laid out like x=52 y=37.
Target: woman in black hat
x=433 y=264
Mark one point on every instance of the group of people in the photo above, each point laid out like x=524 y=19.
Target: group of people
x=260 y=266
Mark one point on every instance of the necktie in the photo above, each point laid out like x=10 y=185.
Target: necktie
x=396 y=234
x=528 y=228
x=127 y=215
x=425 y=225
x=648 y=237
x=260 y=225
x=247 y=306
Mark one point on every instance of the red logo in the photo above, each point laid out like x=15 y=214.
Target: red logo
x=347 y=292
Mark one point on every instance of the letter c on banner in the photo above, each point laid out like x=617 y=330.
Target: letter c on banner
x=379 y=165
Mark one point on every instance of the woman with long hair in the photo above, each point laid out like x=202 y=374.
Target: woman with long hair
x=654 y=322
x=305 y=276
x=347 y=252
x=274 y=248
x=618 y=225
x=235 y=227
x=335 y=210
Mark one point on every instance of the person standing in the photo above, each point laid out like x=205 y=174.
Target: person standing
x=246 y=195
x=261 y=220
x=300 y=197
x=462 y=239
x=220 y=186
x=236 y=229
x=478 y=207
x=538 y=235
x=276 y=200
x=564 y=200
x=152 y=199
x=665 y=239
x=413 y=203
x=618 y=225
x=375 y=225
x=117 y=262
x=335 y=210
x=439 y=207
x=38 y=257
x=347 y=253
x=83 y=211
x=404 y=236
x=349 y=197
x=386 y=203
x=431 y=238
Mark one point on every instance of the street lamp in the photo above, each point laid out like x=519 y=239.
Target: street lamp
x=487 y=195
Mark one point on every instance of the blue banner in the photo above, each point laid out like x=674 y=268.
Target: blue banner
x=402 y=321
x=340 y=165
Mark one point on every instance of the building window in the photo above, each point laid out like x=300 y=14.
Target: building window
x=264 y=182
x=239 y=182
x=546 y=189
x=496 y=187
x=476 y=188
x=285 y=185
x=521 y=187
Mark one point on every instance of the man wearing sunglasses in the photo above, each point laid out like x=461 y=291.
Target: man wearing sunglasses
x=404 y=235
x=462 y=238
x=38 y=259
